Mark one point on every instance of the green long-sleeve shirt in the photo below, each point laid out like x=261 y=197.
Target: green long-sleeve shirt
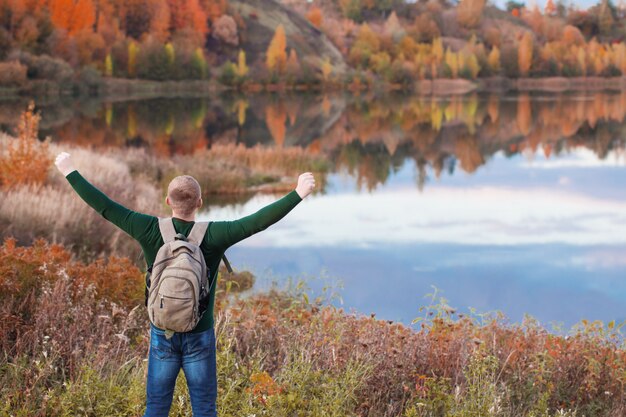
x=219 y=237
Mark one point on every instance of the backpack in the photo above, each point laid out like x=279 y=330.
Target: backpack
x=177 y=284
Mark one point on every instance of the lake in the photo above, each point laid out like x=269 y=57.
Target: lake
x=511 y=203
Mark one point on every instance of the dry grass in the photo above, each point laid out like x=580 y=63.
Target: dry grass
x=53 y=211
x=71 y=337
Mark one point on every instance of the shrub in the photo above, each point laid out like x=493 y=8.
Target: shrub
x=12 y=74
x=154 y=62
x=44 y=67
x=89 y=80
x=228 y=75
x=26 y=161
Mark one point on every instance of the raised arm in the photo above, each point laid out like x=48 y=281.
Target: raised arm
x=228 y=233
x=133 y=223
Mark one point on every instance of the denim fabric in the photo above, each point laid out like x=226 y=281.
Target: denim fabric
x=195 y=354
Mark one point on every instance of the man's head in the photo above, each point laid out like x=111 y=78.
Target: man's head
x=183 y=195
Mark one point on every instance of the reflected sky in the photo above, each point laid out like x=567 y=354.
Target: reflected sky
x=524 y=234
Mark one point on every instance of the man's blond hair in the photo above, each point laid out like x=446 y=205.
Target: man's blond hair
x=184 y=194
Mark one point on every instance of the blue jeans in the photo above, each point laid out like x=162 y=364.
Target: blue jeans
x=195 y=354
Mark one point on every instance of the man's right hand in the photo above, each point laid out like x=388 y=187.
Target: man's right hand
x=306 y=183
x=64 y=163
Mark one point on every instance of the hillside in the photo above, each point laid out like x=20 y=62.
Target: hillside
x=253 y=44
x=261 y=19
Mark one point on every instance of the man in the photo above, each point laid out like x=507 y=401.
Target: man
x=193 y=351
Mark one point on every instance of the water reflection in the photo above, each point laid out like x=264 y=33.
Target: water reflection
x=367 y=136
x=515 y=237
x=532 y=221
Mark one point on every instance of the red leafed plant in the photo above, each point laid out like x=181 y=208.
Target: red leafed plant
x=26 y=160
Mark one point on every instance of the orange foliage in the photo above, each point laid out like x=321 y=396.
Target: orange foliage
x=24 y=268
x=214 y=8
x=27 y=160
x=315 y=16
x=263 y=386
x=469 y=12
x=525 y=53
x=72 y=16
x=188 y=14
x=572 y=35
x=276 y=120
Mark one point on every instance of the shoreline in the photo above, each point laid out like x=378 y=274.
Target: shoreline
x=132 y=89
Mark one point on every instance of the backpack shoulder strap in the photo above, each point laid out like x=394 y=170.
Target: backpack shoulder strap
x=197 y=233
x=166 y=226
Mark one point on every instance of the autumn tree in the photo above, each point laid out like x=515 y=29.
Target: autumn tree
x=242 y=66
x=276 y=121
x=550 y=8
x=366 y=44
x=494 y=60
x=606 y=21
x=327 y=69
x=108 y=66
x=72 y=16
x=619 y=57
x=225 y=30
x=471 y=65
x=452 y=61
x=293 y=67
x=315 y=16
x=187 y=14
x=572 y=35
x=525 y=53
x=133 y=49
x=276 y=58
x=469 y=12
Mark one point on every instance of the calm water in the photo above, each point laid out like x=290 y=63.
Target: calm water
x=514 y=203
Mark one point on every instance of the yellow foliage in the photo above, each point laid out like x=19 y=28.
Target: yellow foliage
x=169 y=51
x=451 y=60
x=108 y=66
x=276 y=59
x=133 y=49
x=242 y=107
x=327 y=69
x=437 y=50
x=242 y=67
x=494 y=59
x=473 y=65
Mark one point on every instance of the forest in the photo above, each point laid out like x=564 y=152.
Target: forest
x=81 y=45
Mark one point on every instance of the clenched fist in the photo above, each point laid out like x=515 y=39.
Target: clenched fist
x=306 y=183
x=64 y=163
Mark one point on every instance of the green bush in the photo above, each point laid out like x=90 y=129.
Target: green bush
x=154 y=63
x=117 y=392
x=44 y=67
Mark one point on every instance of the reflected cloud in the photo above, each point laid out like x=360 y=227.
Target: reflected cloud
x=474 y=216
x=579 y=158
x=600 y=259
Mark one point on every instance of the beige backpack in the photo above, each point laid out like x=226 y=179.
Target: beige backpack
x=177 y=286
